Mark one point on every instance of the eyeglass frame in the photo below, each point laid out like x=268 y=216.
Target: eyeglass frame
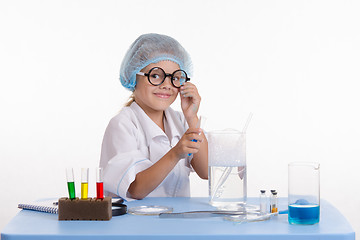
x=165 y=76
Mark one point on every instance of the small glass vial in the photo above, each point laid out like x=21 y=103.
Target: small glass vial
x=274 y=203
x=270 y=197
x=262 y=202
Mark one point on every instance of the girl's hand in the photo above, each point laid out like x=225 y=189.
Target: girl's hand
x=190 y=102
x=186 y=145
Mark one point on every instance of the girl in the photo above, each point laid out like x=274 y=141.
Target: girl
x=148 y=148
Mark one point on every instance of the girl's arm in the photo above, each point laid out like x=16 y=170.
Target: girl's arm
x=190 y=102
x=146 y=181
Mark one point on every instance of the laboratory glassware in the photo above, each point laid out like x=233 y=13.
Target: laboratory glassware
x=84 y=182
x=263 y=200
x=304 y=193
x=70 y=182
x=99 y=183
x=273 y=203
x=227 y=169
x=149 y=210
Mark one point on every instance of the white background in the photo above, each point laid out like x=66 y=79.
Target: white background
x=294 y=64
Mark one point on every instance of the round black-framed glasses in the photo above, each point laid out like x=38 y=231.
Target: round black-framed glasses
x=156 y=76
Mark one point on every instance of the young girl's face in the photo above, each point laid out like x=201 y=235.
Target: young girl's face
x=156 y=98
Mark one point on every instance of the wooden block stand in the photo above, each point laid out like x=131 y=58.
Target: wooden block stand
x=85 y=209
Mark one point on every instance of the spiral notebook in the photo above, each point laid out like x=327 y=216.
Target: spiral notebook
x=44 y=206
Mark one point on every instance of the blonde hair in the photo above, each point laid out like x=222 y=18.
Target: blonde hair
x=130 y=100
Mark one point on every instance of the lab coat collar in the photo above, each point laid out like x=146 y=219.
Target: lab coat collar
x=152 y=130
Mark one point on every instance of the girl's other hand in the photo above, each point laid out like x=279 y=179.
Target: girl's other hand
x=186 y=145
x=190 y=102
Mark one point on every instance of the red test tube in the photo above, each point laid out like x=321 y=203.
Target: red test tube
x=99 y=184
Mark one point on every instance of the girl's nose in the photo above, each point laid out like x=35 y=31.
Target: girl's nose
x=167 y=83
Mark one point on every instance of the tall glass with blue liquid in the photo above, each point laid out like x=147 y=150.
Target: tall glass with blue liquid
x=304 y=193
x=227 y=169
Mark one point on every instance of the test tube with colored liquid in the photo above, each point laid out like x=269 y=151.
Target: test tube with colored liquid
x=70 y=182
x=99 y=184
x=84 y=182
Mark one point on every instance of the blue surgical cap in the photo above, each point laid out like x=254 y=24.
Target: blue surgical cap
x=152 y=48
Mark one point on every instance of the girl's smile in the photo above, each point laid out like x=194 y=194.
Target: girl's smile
x=162 y=95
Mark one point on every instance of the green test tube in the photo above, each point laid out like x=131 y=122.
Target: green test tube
x=70 y=182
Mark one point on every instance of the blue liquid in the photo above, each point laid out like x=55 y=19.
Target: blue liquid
x=304 y=214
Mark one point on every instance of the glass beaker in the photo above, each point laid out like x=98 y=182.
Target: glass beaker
x=227 y=169
x=304 y=193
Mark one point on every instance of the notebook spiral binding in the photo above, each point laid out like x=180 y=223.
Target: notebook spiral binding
x=39 y=208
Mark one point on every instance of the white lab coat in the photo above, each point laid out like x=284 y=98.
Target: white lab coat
x=133 y=142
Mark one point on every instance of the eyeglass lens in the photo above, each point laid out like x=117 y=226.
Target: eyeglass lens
x=157 y=77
